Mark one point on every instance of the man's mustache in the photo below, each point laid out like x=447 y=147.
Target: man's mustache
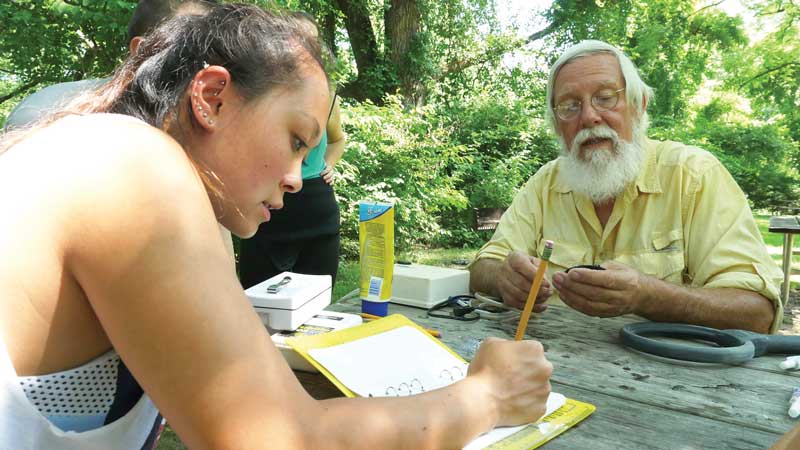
x=600 y=131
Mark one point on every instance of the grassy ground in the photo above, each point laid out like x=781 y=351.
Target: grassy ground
x=347 y=280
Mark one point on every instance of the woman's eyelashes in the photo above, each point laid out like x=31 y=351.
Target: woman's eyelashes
x=298 y=144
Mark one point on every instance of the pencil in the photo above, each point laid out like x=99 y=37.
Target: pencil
x=537 y=283
x=433 y=333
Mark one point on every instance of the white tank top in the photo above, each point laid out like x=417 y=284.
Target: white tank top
x=22 y=426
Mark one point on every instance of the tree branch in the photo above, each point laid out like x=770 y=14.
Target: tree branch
x=18 y=91
x=786 y=64
x=458 y=66
x=79 y=4
x=543 y=32
x=706 y=7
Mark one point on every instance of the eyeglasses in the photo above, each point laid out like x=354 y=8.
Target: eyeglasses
x=602 y=101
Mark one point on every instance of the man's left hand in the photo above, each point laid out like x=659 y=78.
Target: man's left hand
x=612 y=292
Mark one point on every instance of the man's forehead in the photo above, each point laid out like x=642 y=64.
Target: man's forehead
x=601 y=70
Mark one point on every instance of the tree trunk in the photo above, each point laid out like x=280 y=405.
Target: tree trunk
x=371 y=69
x=404 y=50
x=328 y=32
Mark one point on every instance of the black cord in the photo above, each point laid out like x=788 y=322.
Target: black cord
x=462 y=309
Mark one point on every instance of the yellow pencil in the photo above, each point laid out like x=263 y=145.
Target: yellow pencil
x=537 y=283
x=433 y=333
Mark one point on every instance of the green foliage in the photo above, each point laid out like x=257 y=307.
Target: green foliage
x=48 y=41
x=768 y=72
x=757 y=157
x=402 y=157
x=506 y=142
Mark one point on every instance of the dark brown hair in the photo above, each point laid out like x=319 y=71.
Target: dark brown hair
x=149 y=13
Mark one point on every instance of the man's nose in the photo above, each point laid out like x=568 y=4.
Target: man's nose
x=589 y=116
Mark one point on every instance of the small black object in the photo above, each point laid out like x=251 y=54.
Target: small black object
x=735 y=346
x=462 y=309
x=586 y=266
x=402 y=262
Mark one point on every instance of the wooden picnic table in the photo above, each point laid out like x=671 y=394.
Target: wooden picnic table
x=643 y=402
x=788 y=226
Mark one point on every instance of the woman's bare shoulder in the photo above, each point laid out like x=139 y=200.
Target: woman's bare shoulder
x=107 y=169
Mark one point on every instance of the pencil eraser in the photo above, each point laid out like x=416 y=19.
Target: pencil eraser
x=548 y=244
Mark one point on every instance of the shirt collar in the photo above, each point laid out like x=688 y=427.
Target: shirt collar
x=646 y=182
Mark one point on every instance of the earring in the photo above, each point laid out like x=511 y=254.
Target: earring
x=222 y=82
x=210 y=121
x=199 y=108
x=216 y=93
x=205 y=114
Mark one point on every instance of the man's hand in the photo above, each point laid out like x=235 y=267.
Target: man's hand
x=515 y=279
x=612 y=292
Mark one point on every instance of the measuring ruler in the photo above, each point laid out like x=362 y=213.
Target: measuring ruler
x=536 y=434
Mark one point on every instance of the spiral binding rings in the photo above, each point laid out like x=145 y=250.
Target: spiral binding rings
x=415 y=386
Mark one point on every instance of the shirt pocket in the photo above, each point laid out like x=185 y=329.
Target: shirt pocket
x=564 y=255
x=664 y=259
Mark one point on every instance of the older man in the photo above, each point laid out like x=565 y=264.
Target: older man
x=667 y=223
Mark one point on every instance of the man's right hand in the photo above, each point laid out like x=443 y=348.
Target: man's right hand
x=515 y=279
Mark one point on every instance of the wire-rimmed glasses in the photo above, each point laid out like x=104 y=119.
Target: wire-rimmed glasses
x=602 y=101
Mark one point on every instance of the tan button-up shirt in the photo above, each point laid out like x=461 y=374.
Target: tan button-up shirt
x=683 y=220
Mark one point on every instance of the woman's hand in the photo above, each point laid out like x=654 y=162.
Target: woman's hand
x=327 y=174
x=517 y=377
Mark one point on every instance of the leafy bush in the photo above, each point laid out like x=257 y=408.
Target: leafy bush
x=758 y=158
x=399 y=156
x=437 y=163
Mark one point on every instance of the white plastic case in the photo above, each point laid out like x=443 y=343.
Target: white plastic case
x=293 y=303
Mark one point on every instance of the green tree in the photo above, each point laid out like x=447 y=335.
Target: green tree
x=48 y=41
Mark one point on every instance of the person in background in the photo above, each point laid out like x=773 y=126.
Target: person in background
x=110 y=215
x=666 y=221
x=303 y=237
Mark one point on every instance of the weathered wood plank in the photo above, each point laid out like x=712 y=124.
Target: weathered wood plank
x=619 y=424
x=784 y=224
x=746 y=398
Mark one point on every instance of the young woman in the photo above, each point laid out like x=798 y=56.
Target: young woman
x=115 y=281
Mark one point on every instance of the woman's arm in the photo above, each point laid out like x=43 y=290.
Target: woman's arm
x=336 y=142
x=147 y=252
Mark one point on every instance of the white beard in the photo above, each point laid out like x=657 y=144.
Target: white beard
x=604 y=174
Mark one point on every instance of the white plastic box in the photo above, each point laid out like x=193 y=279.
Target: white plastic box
x=424 y=286
x=293 y=303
